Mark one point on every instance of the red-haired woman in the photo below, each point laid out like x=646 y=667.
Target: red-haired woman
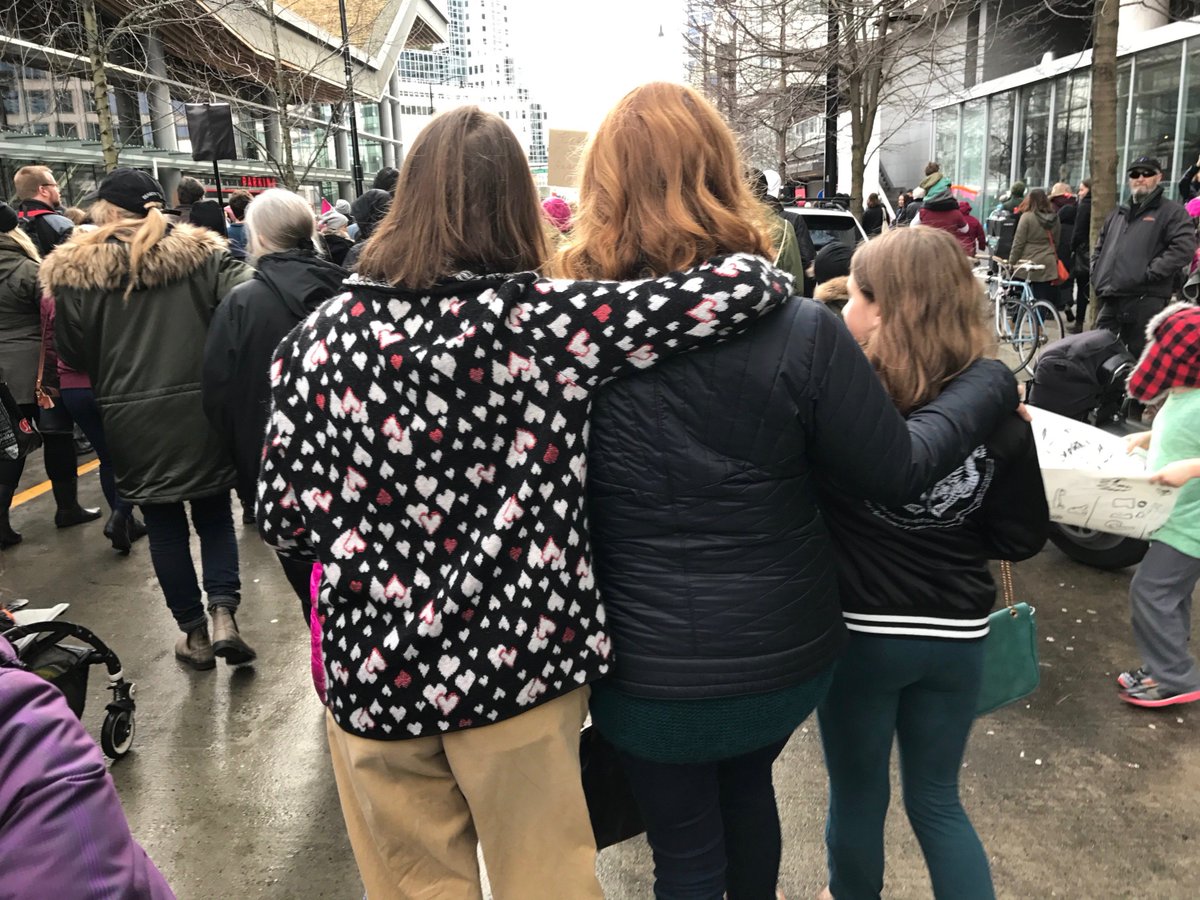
x=715 y=566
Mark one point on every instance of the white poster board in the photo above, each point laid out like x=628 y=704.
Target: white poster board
x=1091 y=482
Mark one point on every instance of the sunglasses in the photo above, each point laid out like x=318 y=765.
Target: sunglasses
x=1142 y=173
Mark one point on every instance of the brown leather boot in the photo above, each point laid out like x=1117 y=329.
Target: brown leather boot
x=227 y=640
x=195 y=649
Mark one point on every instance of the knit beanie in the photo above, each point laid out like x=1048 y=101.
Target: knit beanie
x=208 y=214
x=333 y=221
x=343 y=206
x=558 y=212
x=1017 y=189
x=833 y=261
x=8 y=217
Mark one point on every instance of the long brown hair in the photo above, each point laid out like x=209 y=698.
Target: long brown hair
x=465 y=201
x=930 y=308
x=1037 y=201
x=662 y=188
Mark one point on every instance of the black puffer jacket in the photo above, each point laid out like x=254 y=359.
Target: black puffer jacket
x=712 y=555
x=246 y=329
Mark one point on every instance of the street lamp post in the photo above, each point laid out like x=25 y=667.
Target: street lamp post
x=357 y=169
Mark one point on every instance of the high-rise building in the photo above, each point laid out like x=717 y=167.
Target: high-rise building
x=475 y=66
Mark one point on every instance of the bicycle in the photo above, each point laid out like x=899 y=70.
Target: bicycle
x=1023 y=325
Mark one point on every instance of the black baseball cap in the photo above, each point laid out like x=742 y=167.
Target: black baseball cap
x=1144 y=163
x=132 y=190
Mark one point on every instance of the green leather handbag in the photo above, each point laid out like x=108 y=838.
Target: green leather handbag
x=1010 y=651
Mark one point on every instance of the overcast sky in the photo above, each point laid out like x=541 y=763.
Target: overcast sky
x=579 y=57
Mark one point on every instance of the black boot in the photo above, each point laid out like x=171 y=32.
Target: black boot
x=65 y=518
x=67 y=499
x=8 y=537
x=116 y=529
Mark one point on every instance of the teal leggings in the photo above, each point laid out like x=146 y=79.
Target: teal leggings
x=923 y=692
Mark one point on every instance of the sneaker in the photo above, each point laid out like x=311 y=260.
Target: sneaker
x=1159 y=696
x=1136 y=680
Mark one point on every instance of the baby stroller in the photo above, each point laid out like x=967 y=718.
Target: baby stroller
x=39 y=645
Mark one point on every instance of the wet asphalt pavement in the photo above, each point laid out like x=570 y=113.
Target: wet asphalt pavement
x=230 y=790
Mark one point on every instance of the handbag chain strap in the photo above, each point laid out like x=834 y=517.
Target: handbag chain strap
x=1006 y=585
x=44 y=398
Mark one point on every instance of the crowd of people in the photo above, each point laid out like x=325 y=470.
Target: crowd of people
x=523 y=462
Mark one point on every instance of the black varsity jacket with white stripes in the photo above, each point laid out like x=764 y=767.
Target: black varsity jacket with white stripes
x=920 y=570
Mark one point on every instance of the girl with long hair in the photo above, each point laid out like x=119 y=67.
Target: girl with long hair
x=426 y=446
x=1036 y=240
x=133 y=302
x=21 y=333
x=915 y=586
x=711 y=554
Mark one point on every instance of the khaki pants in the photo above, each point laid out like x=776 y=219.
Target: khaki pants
x=415 y=809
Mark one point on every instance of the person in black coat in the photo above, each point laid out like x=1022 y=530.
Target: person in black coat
x=874 y=216
x=1081 y=253
x=368 y=211
x=1067 y=209
x=711 y=552
x=291 y=281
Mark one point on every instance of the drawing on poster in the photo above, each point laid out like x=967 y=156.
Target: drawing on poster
x=1091 y=482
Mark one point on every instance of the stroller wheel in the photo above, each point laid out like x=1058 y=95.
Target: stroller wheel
x=116 y=734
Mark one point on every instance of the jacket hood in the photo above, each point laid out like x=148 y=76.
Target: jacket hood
x=1062 y=200
x=964 y=207
x=833 y=290
x=1046 y=220
x=90 y=264
x=300 y=278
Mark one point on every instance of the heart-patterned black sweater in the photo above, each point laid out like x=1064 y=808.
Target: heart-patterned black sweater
x=430 y=450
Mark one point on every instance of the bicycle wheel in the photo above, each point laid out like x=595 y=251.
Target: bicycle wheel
x=1053 y=327
x=1016 y=333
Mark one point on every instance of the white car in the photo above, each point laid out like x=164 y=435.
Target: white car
x=827 y=222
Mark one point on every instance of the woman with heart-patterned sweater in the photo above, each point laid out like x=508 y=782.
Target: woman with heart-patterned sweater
x=427 y=444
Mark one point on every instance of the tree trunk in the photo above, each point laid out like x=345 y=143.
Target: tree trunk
x=858 y=165
x=287 y=166
x=97 y=61
x=1104 y=121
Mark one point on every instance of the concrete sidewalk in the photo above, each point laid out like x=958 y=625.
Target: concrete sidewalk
x=230 y=790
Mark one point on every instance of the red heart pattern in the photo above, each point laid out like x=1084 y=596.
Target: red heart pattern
x=413 y=437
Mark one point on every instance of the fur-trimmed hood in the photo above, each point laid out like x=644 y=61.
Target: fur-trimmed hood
x=833 y=290
x=89 y=264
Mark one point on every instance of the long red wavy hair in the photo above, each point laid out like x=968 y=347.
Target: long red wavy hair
x=662 y=188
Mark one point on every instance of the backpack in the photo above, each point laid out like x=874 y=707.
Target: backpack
x=1080 y=373
x=1001 y=228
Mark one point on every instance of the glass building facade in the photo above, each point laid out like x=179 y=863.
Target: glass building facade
x=1039 y=132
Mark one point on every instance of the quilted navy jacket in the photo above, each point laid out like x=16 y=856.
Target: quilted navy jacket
x=713 y=559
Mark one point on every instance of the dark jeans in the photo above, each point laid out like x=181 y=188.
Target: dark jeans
x=923 y=692
x=167 y=525
x=81 y=404
x=1127 y=318
x=1044 y=290
x=713 y=827
x=58 y=456
x=1083 y=286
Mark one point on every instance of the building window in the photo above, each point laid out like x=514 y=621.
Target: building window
x=1191 y=104
x=1155 y=104
x=39 y=102
x=1000 y=145
x=65 y=100
x=974 y=130
x=68 y=130
x=1068 y=152
x=945 y=137
x=1035 y=134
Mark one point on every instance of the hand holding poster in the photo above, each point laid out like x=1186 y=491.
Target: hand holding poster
x=1091 y=482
